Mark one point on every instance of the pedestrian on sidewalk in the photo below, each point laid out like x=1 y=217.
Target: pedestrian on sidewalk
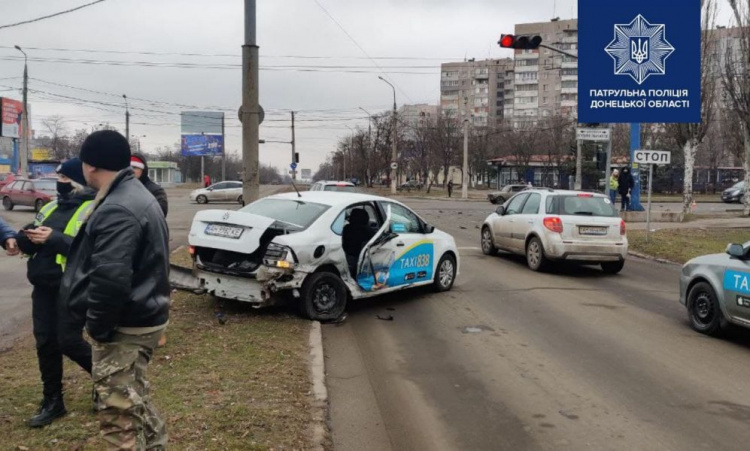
x=8 y=238
x=614 y=185
x=117 y=280
x=450 y=188
x=626 y=185
x=47 y=241
x=206 y=181
x=140 y=168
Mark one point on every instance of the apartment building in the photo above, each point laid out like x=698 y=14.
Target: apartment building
x=475 y=90
x=545 y=83
x=410 y=115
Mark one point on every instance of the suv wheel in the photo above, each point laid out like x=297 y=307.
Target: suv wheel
x=488 y=243
x=613 y=267
x=240 y=201
x=446 y=274
x=7 y=203
x=324 y=297
x=703 y=309
x=535 y=257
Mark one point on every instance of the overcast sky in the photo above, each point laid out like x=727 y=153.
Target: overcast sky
x=425 y=32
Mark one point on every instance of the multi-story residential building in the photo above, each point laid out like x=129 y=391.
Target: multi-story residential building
x=410 y=115
x=475 y=90
x=545 y=82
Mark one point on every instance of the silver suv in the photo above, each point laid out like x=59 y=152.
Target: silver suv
x=549 y=225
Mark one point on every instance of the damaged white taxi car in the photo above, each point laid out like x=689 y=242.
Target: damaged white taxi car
x=319 y=250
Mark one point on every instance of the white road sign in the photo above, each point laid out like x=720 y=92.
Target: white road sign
x=593 y=134
x=394 y=165
x=653 y=157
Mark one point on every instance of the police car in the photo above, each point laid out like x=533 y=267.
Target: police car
x=715 y=289
x=319 y=250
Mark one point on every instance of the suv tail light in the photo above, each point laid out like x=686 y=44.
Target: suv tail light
x=623 y=228
x=554 y=224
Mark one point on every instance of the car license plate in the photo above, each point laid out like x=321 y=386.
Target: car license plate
x=593 y=231
x=224 y=231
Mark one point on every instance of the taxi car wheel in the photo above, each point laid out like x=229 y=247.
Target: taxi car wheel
x=703 y=309
x=446 y=274
x=324 y=297
x=613 y=267
x=488 y=243
x=201 y=199
x=8 y=204
x=535 y=257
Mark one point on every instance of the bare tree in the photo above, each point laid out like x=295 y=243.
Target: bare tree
x=736 y=77
x=55 y=126
x=690 y=137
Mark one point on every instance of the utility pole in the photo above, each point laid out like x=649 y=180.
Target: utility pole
x=223 y=152
x=579 y=165
x=127 y=119
x=26 y=134
x=294 y=150
x=250 y=111
x=465 y=175
x=394 y=151
x=369 y=145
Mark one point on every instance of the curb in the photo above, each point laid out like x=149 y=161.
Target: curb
x=319 y=391
x=652 y=258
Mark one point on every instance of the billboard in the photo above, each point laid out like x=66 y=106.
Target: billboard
x=201 y=122
x=639 y=61
x=202 y=145
x=11 y=112
x=40 y=154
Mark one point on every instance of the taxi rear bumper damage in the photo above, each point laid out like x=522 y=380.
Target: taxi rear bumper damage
x=268 y=287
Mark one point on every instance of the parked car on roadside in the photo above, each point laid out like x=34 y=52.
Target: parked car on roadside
x=735 y=193
x=22 y=192
x=499 y=197
x=344 y=187
x=715 y=289
x=319 y=251
x=47 y=186
x=410 y=185
x=549 y=226
x=218 y=192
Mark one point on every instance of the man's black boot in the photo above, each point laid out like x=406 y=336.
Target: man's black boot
x=51 y=409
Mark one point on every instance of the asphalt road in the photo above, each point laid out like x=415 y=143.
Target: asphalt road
x=15 y=297
x=515 y=360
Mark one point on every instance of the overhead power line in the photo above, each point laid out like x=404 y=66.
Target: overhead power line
x=51 y=15
x=351 y=38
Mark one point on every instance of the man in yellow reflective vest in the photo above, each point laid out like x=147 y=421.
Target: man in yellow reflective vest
x=47 y=242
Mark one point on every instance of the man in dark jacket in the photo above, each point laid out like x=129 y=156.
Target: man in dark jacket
x=627 y=183
x=117 y=279
x=140 y=168
x=47 y=242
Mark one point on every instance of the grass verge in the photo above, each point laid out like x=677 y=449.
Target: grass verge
x=681 y=245
x=241 y=385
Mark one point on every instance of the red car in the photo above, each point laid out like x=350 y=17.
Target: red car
x=23 y=192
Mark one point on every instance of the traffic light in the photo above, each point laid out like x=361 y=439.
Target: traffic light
x=521 y=42
x=296 y=157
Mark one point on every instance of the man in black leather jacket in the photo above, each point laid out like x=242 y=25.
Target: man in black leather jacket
x=117 y=279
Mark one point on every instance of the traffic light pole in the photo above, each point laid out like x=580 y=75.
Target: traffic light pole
x=250 y=108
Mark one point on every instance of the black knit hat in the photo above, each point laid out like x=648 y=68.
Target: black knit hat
x=73 y=169
x=106 y=149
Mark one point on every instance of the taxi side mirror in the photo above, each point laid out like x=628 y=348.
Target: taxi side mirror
x=736 y=251
x=500 y=210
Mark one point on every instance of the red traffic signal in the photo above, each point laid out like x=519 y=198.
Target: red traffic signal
x=510 y=41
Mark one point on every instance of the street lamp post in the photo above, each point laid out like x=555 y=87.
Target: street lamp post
x=370 y=145
x=26 y=135
x=127 y=118
x=394 y=152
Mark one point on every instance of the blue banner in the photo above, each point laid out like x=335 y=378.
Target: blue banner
x=639 y=61
x=202 y=145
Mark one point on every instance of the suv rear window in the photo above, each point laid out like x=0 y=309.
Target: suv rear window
x=340 y=188
x=577 y=205
x=293 y=212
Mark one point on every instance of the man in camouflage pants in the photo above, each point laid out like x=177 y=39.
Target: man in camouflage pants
x=117 y=281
